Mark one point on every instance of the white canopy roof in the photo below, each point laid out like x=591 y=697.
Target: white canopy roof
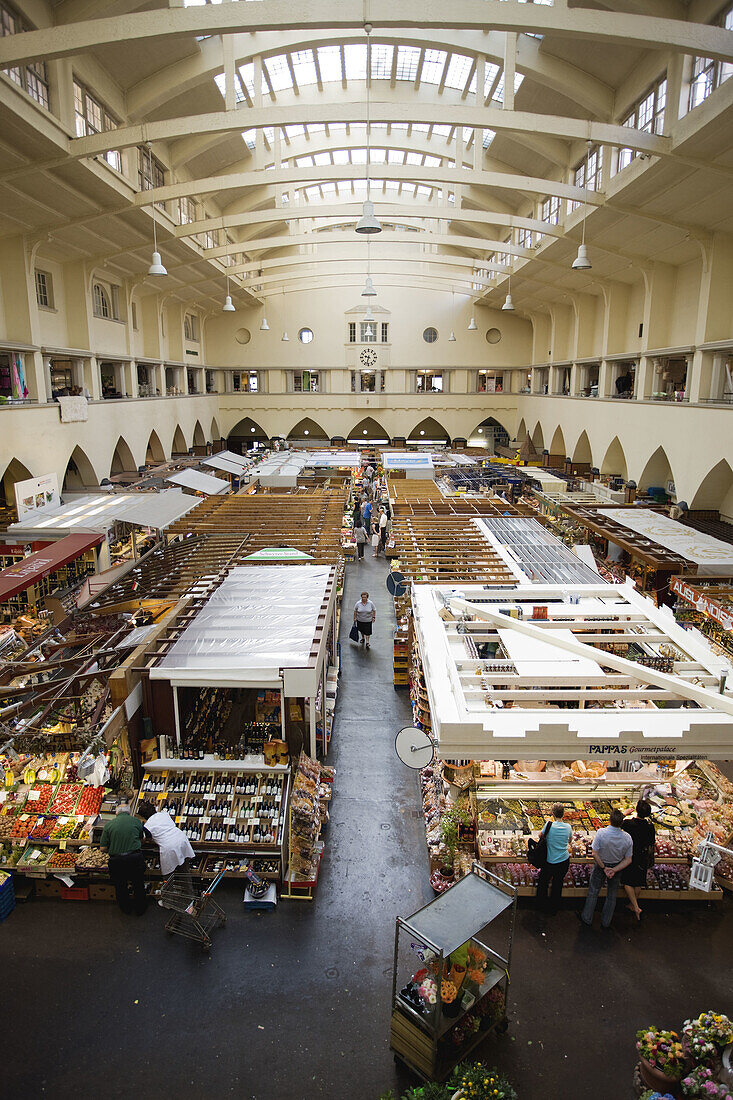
x=98 y=512
x=710 y=554
x=225 y=464
x=261 y=619
x=202 y=483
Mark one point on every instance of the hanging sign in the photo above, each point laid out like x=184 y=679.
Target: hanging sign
x=37 y=495
x=701 y=602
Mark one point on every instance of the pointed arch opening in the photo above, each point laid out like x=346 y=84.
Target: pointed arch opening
x=307 y=431
x=614 y=461
x=122 y=459
x=715 y=492
x=244 y=434
x=15 y=471
x=521 y=431
x=79 y=473
x=215 y=433
x=657 y=474
x=199 y=439
x=429 y=431
x=368 y=431
x=154 y=453
x=557 y=446
x=538 y=438
x=582 y=453
x=490 y=433
x=179 y=446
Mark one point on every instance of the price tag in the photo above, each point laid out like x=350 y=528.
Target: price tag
x=178 y=819
x=3 y=795
x=62 y=845
x=62 y=820
x=161 y=796
x=209 y=797
x=230 y=820
x=205 y=820
x=164 y=775
x=42 y=773
x=24 y=817
x=33 y=796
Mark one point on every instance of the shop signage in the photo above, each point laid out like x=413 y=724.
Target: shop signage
x=37 y=495
x=703 y=603
x=279 y=553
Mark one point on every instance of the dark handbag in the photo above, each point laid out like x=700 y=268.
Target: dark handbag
x=537 y=849
x=354 y=633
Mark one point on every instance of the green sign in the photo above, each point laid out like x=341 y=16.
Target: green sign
x=279 y=553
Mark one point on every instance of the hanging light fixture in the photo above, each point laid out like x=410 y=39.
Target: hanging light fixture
x=472 y=326
x=264 y=327
x=156 y=267
x=284 y=338
x=368 y=291
x=508 y=303
x=228 y=306
x=370 y=331
x=367 y=223
x=582 y=261
x=452 y=337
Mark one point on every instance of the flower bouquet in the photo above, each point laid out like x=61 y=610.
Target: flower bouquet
x=663 y=1051
x=448 y=997
x=652 y=1094
x=705 y=1037
x=701 y=1082
x=428 y=990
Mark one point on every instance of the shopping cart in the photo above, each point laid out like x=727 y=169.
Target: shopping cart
x=193 y=914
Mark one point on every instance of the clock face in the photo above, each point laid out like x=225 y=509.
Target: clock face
x=368 y=357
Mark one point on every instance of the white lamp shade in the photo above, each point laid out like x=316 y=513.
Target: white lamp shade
x=228 y=306
x=452 y=337
x=508 y=303
x=581 y=261
x=368 y=316
x=368 y=291
x=285 y=338
x=367 y=223
x=156 y=267
x=472 y=326
x=264 y=327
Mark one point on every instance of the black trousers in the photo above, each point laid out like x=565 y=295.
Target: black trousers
x=126 y=871
x=551 y=873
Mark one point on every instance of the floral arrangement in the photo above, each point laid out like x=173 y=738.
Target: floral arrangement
x=477 y=964
x=428 y=990
x=662 y=1050
x=701 y=1082
x=705 y=1036
x=652 y=1094
x=492 y=1004
x=478 y=1082
x=448 y=992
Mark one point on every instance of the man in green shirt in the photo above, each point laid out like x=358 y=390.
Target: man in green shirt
x=122 y=837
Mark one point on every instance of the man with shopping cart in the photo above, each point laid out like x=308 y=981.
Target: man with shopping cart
x=122 y=839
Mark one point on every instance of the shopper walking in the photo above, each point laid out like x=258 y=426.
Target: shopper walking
x=643 y=838
x=554 y=869
x=364 y=615
x=361 y=537
x=375 y=542
x=366 y=515
x=122 y=838
x=383 y=521
x=173 y=844
x=612 y=849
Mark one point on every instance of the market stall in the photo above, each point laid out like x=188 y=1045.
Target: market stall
x=25 y=585
x=707 y=602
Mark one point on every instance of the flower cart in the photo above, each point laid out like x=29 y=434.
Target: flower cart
x=449 y=984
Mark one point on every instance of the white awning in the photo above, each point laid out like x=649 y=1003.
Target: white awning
x=219 y=463
x=156 y=510
x=711 y=555
x=202 y=483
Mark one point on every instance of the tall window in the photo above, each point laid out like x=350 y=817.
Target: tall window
x=106 y=302
x=92 y=118
x=648 y=116
x=245 y=381
x=551 y=210
x=305 y=381
x=150 y=172
x=191 y=327
x=32 y=78
x=588 y=173
x=186 y=211
x=384 y=329
x=44 y=289
x=368 y=332
x=526 y=238
x=429 y=382
x=352 y=332
x=707 y=75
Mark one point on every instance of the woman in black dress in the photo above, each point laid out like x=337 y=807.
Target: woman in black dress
x=643 y=834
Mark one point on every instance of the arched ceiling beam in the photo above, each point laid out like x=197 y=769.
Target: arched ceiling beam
x=624 y=29
x=548 y=71
x=384 y=210
x=311 y=108
x=266 y=244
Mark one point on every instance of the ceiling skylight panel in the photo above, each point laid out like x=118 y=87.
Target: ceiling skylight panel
x=492 y=71
x=413 y=158
x=269 y=132
x=358 y=156
x=432 y=162
x=304 y=67
x=333 y=126
x=355 y=62
x=407 y=60
x=391 y=185
x=442 y=131
x=312 y=192
x=432 y=66
x=378 y=156
x=329 y=62
x=328 y=188
x=250 y=138
x=221 y=83
x=360 y=185
x=458 y=70
x=396 y=156
x=408 y=189
x=304 y=162
x=322 y=159
x=420 y=127
x=294 y=131
x=279 y=72
x=315 y=128
x=399 y=126
x=247 y=76
x=382 y=55
x=340 y=156
x=344 y=187
x=489 y=136
x=423 y=192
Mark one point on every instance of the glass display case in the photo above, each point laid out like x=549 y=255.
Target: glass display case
x=451 y=973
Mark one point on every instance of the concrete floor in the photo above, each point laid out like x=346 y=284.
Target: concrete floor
x=295 y=1004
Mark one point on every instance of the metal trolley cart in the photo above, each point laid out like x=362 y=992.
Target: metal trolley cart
x=449 y=985
x=193 y=914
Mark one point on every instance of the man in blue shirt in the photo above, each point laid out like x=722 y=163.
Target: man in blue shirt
x=612 y=851
x=366 y=513
x=553 y=871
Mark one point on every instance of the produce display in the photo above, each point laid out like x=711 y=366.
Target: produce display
x=92 y=859
x=39 y=797
x=90 y=801
x=661 y=877
x=65 y=798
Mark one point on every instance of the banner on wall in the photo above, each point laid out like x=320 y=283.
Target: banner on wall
x=37 y=495
x=18 y=386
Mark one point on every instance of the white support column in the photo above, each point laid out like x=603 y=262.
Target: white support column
x=510 y=61
x=227 y=43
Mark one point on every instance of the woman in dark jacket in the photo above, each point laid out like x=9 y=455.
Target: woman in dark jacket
x=643 y=834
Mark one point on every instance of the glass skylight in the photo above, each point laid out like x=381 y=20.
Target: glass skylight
x=433 y=66
x=458 y=69
x=304 y=67
x=329 y=62
x=407 y=60
x=340 y=156
x=355 y=62
x=382 y=55
x=322 y=159
x=279 y=72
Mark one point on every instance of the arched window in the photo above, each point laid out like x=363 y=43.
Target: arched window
x=102 y=305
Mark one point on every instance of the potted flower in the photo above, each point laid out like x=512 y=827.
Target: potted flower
x=706 y=1036
x=663 y=1059
x=701 y=1082
x=480 y=1082
x=449 y=825
x=449 y=998
x=654 y=1094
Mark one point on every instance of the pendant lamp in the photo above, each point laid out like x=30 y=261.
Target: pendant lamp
x=156 y=267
